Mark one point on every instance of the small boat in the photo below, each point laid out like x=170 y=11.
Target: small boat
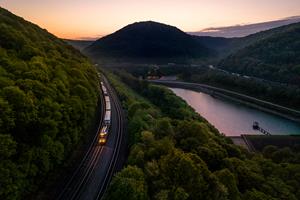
x=255 y=125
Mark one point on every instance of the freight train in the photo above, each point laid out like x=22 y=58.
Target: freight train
x=107 y=117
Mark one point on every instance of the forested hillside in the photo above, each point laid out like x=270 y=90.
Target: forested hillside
x=176 y=154
x=272 y=55
x=148 y=41
x=48 y=95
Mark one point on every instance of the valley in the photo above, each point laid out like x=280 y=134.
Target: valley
x=149 y=111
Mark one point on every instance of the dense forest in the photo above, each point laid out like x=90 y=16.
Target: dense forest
x=48 y=96
x=176 y=154
x=272 y=55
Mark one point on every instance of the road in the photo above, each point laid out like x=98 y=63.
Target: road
x=90 y=180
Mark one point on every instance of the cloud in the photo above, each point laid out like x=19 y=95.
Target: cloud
x=241 y=30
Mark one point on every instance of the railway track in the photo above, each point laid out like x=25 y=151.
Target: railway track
x=73 y=185
x=112 y=165
x=83 y=175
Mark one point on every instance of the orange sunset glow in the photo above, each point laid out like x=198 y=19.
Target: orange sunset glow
x=76 y=19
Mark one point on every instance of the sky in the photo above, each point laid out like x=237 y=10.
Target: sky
x=82 y=19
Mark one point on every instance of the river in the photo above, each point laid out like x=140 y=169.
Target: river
x=234 y=119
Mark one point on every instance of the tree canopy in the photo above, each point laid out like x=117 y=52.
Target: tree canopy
x=48 y=96
x=275 y=57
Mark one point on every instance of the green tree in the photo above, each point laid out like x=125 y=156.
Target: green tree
x=128 y=184
x=228 y=179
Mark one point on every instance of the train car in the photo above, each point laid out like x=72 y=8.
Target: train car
x=104 y=90
x=104 y=131
x=107 y=117
x=103 y=134
x=107 y=105
x=107 y=99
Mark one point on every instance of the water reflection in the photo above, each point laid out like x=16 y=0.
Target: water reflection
x=234 y=119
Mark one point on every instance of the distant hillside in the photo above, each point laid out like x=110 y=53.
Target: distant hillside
x=220 y=45
x=48 y=97
x=245 y=30
x=148 y=41
x=79 y=44
x=272 y=55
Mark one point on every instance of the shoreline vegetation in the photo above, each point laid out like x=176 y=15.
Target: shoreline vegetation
x=176 y=154
x=279 y=94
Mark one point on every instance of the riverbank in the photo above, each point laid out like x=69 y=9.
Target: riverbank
x=256 y=143
x=265 y=106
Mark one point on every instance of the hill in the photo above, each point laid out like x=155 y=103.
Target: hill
x=272 y=55
x=48 y=96
x=220 y=45
x=148 y=41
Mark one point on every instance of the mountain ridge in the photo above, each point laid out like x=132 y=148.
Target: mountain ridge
x=272 y=55
x=148 y=40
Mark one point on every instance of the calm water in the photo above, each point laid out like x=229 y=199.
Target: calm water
x=234 y=119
